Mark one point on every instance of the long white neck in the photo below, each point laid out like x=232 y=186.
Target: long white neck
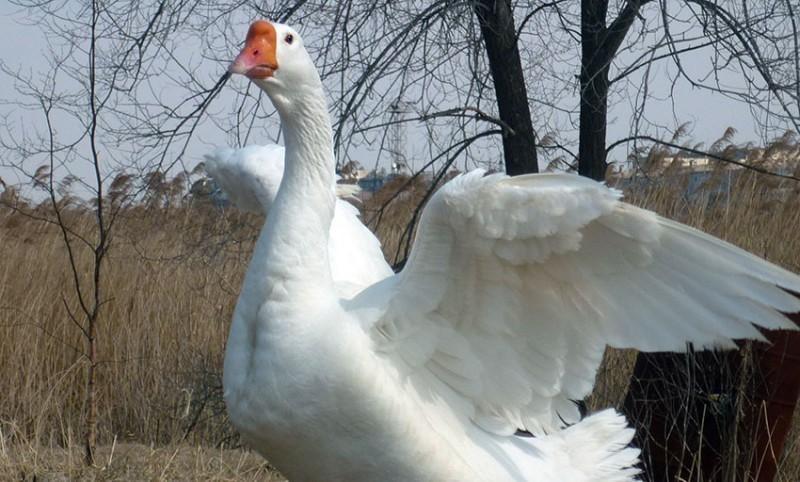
x=289 y=269
x=293 y=245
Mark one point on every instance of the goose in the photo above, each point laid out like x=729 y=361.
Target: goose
x=497 y=323
x=250 y=176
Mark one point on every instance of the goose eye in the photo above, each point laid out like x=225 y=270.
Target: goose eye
x=289 y=38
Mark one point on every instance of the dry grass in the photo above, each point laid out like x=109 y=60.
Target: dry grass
x=172 y=280
x=124 y=462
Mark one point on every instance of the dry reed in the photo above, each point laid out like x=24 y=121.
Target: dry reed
x=173 y=277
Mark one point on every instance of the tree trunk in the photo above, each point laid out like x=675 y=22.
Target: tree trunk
x=500 y=38
x=595 y=60
x=599 y=46
x=90 y=440
x=593 y=118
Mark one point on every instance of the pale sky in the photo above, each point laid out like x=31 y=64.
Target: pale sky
x=22 y=48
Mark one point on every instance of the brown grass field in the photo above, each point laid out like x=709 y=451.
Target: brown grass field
x=171 y=282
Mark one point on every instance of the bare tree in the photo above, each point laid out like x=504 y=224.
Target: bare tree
x=91 y=99
x=88 y=291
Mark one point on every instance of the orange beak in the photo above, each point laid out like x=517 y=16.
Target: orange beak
x=258 y=59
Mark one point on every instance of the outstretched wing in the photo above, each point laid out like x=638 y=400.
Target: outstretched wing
x=515 y=286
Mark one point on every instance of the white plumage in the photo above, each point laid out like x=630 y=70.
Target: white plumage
x=527 y=279
x=513 y=289
x=250 y=177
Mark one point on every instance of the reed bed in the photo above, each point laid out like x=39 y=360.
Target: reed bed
x=172 y=279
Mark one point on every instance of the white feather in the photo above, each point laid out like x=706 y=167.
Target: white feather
x=250 y=176
x=538 y=273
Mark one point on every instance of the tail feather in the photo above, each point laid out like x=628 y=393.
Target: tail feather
x=599 y=446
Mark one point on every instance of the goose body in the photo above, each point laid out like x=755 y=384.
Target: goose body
x=512 y=291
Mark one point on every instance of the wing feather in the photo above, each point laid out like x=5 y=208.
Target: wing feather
x=515 y=286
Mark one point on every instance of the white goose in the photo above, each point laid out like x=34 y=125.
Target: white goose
x=250 y=176
x=512 y=291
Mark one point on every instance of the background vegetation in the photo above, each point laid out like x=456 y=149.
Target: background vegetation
x=172 y=279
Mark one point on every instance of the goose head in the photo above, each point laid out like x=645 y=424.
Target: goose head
x=275 y=59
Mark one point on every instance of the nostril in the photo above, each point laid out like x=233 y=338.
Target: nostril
x=255 y=52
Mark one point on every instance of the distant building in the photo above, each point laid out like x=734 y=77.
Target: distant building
x=780 y=159
x=373 y=181
x=693 y=162
x=698 y=176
